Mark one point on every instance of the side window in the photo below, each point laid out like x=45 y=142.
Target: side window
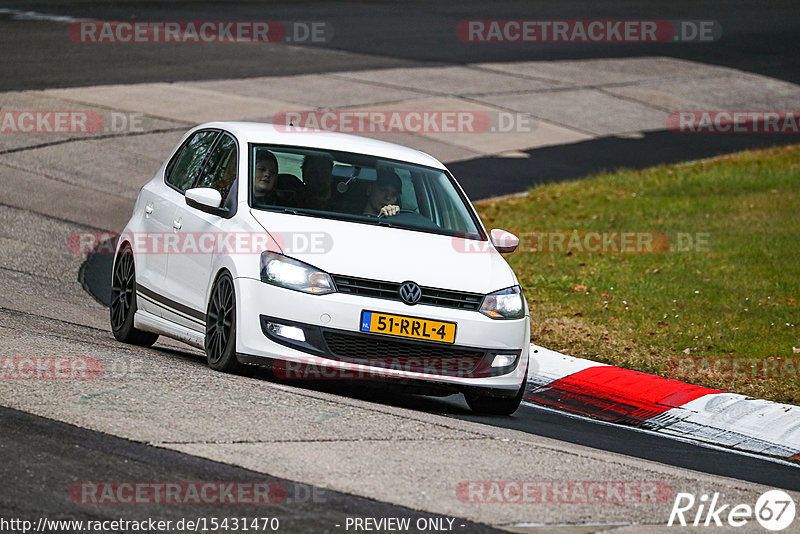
x=220 y=169
x=452 y=214
x=185 y=166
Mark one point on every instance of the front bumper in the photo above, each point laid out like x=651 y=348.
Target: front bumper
x=334 y=342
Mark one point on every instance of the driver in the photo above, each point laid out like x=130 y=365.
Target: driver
x=383 y=196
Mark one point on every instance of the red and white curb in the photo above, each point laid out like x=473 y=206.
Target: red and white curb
x=663 y=405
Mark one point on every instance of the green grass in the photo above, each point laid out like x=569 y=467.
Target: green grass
x=736 y=297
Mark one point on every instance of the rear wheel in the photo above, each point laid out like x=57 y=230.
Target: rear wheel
x=123 y=301
x=486 y=404
x=221 y=326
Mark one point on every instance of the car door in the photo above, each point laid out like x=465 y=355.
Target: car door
x=159 y=204
x=189 y=270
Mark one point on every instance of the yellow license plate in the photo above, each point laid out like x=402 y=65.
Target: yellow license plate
x=403 y=326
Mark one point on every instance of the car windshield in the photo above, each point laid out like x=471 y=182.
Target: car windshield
x=358 y=188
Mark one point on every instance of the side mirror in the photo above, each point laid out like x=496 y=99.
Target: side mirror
x=205 y=199
x=504 y=242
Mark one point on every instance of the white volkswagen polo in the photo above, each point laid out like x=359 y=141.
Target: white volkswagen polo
x=322 y=255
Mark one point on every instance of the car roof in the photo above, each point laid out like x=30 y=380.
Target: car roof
x=259 y=132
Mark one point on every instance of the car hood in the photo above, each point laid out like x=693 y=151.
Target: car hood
x=390 y=254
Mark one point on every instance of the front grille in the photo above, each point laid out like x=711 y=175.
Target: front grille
x=379 y=351
x=390 y=290
x=367 y=288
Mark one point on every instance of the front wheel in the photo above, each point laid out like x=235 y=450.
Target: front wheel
x=123 y=302
x=486 y=404
x=220 y=341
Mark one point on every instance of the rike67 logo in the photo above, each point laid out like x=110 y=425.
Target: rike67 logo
x=774 y=510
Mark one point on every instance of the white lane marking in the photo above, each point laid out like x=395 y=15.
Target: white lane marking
x=17 y=14
x=554 y=525
x=662 y=435
x=736 y=420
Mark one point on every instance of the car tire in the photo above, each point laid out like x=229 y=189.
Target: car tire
x=220 y=342
x=123 y=301
x=489 y=405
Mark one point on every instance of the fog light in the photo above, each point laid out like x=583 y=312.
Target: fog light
x=288 y=332
x=503 y=360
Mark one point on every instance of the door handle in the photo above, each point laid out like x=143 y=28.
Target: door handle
x=177 y=223
x=148 y=210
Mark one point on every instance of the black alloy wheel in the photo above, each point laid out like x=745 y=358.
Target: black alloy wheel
x=123 y=301
x=221 y=326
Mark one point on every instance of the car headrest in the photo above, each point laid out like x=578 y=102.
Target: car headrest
x=288 y=181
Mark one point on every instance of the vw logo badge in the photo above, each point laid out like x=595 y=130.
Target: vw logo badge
x=410 y=293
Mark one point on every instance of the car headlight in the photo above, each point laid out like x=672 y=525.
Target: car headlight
x=504 y=304
x=281 y=271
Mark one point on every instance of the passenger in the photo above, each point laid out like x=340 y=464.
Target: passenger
x=318 y=182
x=265 y=178
x=383 y=196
